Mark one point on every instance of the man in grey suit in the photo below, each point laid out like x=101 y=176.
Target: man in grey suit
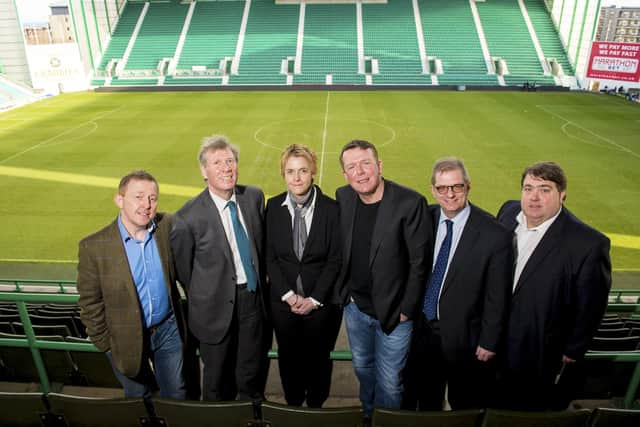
x=128 y=296
x=387 y=236
x=218 y=245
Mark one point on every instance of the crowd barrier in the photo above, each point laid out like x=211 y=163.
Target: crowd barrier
x=22 y=292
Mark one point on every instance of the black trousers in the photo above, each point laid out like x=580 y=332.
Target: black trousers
x=304 y=346
x=471 y=383
x=552 y=389
x=233 y=367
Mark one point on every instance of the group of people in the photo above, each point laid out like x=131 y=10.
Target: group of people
x=440 y=301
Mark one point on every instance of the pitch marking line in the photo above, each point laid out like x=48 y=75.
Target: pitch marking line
x=90 y=180
x=569 y=122
x=55 y=137
x=18 y=122
x=324 y=138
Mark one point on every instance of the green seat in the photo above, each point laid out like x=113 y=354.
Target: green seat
x=606 y=417
x=94 y=369
x=21 y=409
x=278 y=415
x=499 y=418
x=97 y=412
x=177 y=413
x=398 y=418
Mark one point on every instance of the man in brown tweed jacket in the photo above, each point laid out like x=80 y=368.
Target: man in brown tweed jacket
x=128 y=296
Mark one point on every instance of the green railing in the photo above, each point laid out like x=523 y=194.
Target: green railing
x=63 y=291
x=39 y=291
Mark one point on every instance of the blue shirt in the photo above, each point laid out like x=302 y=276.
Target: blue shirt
x=146 y=269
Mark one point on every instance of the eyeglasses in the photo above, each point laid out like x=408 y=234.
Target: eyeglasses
x=444 y=189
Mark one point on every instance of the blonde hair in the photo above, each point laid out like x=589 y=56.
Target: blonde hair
x=299 y=150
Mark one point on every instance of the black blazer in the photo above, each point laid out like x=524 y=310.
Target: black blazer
x=321 y=259
x=476 y=291
x=204 y=261
x=400 y=256
x=560 y=296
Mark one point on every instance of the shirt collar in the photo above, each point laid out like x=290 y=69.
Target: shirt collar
x=125 y=234
x=220 y=202
x=522 y=223
x=460 y=217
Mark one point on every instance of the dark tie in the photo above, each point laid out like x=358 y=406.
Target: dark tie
x=430 y=307
x=299 y=240
x=243 y=247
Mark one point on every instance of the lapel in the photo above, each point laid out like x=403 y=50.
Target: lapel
x=468 y=239
x=212 y=214
x=285 y=224
x=318 y=215
x=384 y=219
x=547 y=245
x=349 y=212
x=123 y=269
x=163 y=248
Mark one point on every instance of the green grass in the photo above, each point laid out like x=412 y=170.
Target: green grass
x=594 y=137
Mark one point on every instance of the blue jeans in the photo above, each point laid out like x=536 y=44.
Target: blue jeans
x=165 y=349
x=378 y=358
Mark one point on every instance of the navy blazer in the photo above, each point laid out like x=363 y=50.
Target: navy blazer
x=560 y=296
x=474 y=300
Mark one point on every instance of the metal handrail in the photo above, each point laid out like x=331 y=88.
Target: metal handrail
x=65 y=292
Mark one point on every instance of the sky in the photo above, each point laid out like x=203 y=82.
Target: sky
x=36 y=10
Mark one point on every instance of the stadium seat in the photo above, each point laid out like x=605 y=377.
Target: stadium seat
x=15 y=317
x=178 y=413
x=614 y=344
x=62 y=307
x=97 y=412
x=500 y=418
x=21 y=409
x=6 y=328
x=18 y=363
x=632 y=323
x=68 y=321
x=606 y=417
x=287 y=416
x=612 y=333
x=8 y=310
x=398 y=418
x=43 y=330
x=94 y=369
x=634 y=332
x=616 y=324
x=58 y=364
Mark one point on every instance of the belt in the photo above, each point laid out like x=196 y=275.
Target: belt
x=155 y=327
x=242 y=286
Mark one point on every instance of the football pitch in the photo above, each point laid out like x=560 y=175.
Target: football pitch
x=61 y=158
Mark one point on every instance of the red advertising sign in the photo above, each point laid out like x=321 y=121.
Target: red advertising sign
x=614 y=61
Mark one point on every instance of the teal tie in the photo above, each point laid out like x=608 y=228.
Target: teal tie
x=243 y=247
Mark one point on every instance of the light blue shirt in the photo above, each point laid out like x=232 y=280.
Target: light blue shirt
x=146 y=269
x=459 y=221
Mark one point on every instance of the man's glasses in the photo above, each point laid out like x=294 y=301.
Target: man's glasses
x=444 y=189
